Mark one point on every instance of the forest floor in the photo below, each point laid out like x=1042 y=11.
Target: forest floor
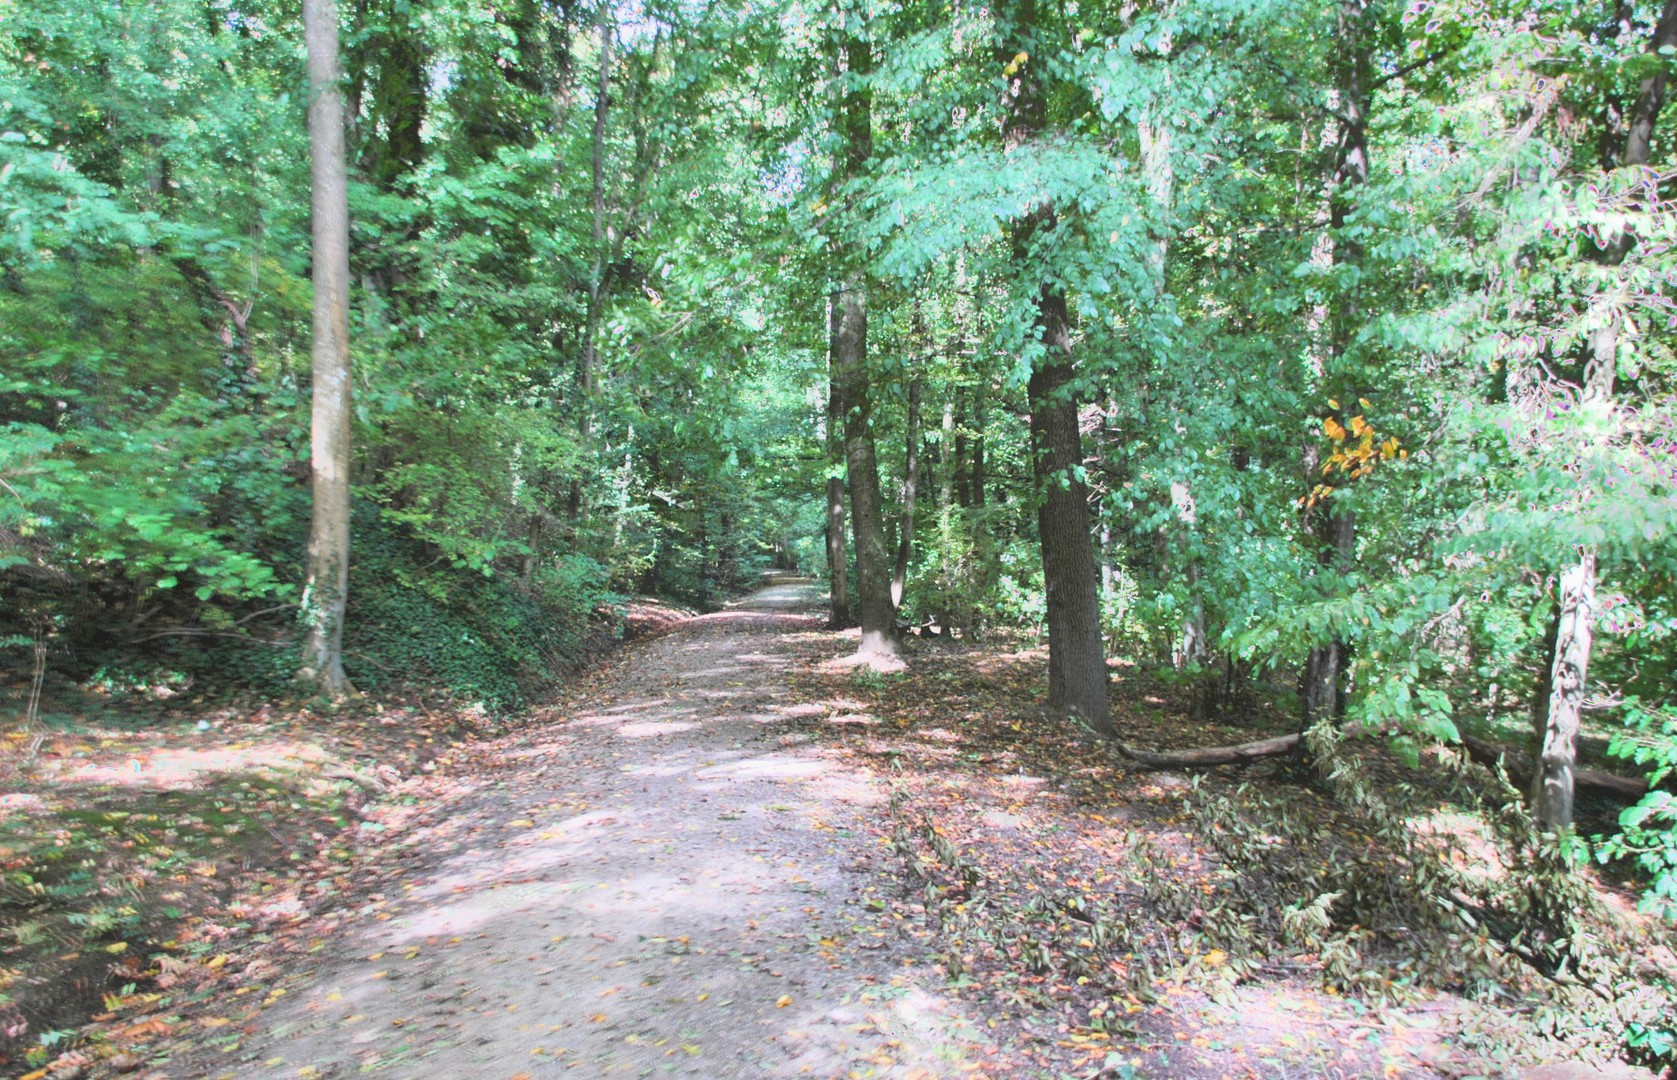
x=720 y=856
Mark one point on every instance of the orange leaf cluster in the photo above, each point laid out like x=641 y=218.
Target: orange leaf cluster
x=1357 y=449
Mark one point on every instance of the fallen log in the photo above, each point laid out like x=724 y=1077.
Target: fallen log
x=1241 y=754
x=1517 y=765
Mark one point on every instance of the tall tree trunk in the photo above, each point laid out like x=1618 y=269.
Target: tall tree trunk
x=850 y=368
x=911 y=474
x=327 y=588
x=1076 y=656
x=1573 y=631
x=867 y=519
x=1324 y=691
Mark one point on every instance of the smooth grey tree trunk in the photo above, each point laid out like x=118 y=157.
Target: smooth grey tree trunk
x=327 y=589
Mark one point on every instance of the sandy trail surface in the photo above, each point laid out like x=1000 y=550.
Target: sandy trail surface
x=666 y=879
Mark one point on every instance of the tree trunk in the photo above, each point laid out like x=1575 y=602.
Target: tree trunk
x=1076 y=657
x=850 y=368
x=911 y=474
x=838 y=572
x=838 y=568
x=585 y=372
x=1558 y=724
x=963 y=490
x=1602 y=347
x=873 y=585
x=327 y=587
x=1552 y=787
x=946 y=484
x=1324 y=692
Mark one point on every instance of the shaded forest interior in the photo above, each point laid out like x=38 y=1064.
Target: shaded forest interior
x=1303 y=367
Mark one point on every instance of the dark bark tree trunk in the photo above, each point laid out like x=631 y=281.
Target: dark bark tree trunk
x=1324 y=691
x=400 y=95
x=867 y=519
x=327 y=587
x=1076 y=656
x=1601 y=350
x=872 y=604
x=911 y=475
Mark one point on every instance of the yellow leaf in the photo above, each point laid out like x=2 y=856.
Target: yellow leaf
x=1359 y=425
x=783 y=1001
x=1331 y=428
x=218 y=962
x=1332 y=404
x=1363 y=402
x=117 y=946
x=1216 y=958
x=521 y=823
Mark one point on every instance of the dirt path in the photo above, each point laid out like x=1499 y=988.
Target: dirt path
x=666 y=879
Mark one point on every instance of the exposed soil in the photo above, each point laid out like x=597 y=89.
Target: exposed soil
x=662 y=879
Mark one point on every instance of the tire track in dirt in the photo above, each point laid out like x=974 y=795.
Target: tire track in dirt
x=665 y=879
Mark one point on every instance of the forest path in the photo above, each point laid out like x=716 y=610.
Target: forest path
x=666 y=878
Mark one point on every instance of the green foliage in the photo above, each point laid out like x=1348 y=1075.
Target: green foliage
x=415 y=624
x=1648 y=830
